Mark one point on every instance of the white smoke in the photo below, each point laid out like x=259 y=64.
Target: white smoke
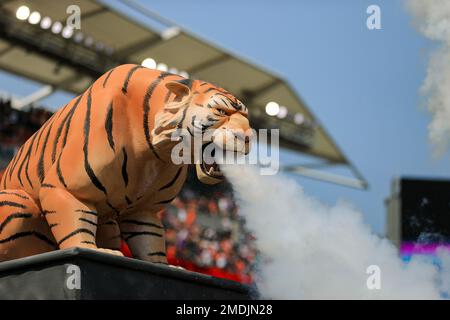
x=432 y=18
x=319 y=252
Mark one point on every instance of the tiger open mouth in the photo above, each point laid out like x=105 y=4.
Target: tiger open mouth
x=209 y=173
x=212 y=169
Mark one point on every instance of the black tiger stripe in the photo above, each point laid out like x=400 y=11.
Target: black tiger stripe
x=166 y=201
x=59 y=172
x=210 y=119
x=128 y=200
x=87 y=212
x=225 y=92
x=53 y=225
x=124 y=167
x=131 y=235
x=225 y=102
x=146 y=107
x=187 y=82
x=109 y=126
x=47 y=185
x=129 y=75
x=40 y=131
x=107 y=77
x=157 y=254
x=65 y=124
x=58 y=135
x=46 y=212
x=40 y=165
x=203 y=84
x=16 y=160
x=38 y=235
x=69 y=120
x=89 y=242
x=26 y=157
x=209 y=89
x=87 y=126
x=56 y=139
x=112 y=207
x=141 y=223
x=7 y=203
x=88 y=221
x=174 y=179
x=236 y=106
x=16 y=215
x=14 y=194
x=74 y=233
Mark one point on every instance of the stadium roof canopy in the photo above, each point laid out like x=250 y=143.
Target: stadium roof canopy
x=70 y=61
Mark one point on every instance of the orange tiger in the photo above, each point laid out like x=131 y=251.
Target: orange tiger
x=100 y=169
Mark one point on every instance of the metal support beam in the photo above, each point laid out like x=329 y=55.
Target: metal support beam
x=39 y=94
x=327 y=177
x=140 y=45
x=250 y=94
x=208 y=63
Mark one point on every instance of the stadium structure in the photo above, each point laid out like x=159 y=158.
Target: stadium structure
x=36 y=44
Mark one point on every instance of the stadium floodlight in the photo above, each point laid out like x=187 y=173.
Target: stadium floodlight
x=282 y=112
x=299 y=118
x=184 y=74
x=99 y=46
x=161 y=67
x=46 y=23
x=149 y=63
x=57 y=27
x=272 y=108
x=22 y=13
x=89 y=41
x=34 y=18
x=109 y=50
x=78 y=37
x=67 y=32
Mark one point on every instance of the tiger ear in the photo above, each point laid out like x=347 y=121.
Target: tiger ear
x=180 y=88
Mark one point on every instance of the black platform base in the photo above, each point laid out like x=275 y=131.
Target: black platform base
x=80 y=274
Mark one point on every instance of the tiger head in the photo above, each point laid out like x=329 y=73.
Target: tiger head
x=199 y=107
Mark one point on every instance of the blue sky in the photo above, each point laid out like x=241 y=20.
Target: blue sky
x=362 y=85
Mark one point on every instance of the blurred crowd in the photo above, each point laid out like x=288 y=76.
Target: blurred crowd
x=16 y=127
x=205 y=232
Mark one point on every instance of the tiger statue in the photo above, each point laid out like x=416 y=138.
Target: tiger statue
x=100 y=169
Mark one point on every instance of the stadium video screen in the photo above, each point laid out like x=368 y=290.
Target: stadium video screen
x=425 y=219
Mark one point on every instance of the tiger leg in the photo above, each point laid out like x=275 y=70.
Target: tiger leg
x=23 y=229
x=108 y=235
x=74 y=222
x=144 y=235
